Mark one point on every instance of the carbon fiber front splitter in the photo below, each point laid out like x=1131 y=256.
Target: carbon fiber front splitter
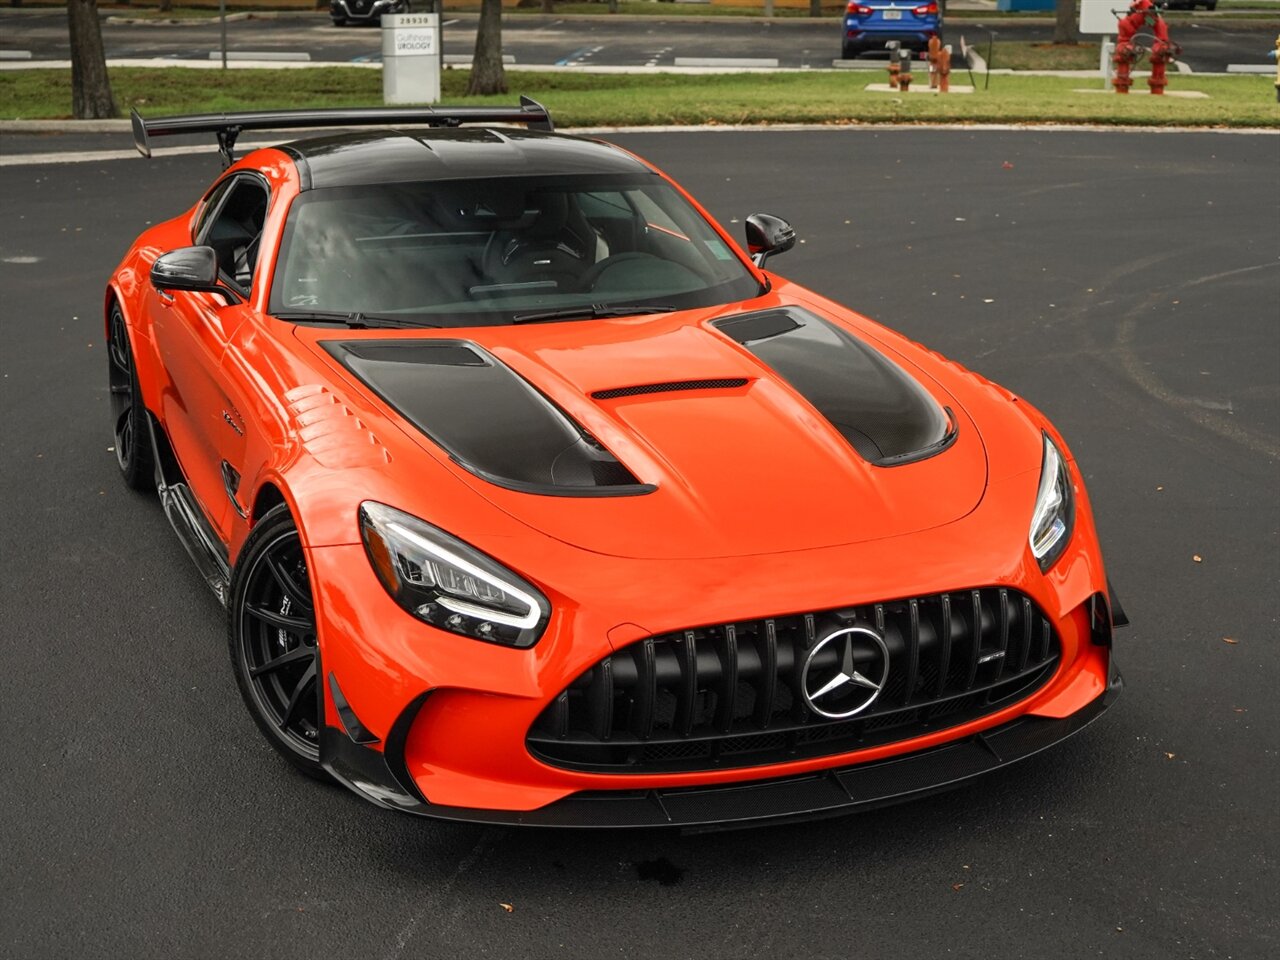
x=739 y=805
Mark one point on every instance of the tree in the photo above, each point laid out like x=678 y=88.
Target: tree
x=815 y=8
x=487 y=75
x=90 y=87
x=1064 y=25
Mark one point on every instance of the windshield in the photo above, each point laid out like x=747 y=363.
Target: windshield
x=459 y=253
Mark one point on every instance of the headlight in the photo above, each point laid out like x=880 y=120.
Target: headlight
x=1055 y=513
x=449 y=584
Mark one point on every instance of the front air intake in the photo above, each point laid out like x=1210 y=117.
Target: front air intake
x=734 y=694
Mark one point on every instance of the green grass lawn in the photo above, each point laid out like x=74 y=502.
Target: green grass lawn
x=630 y=99
x=1024 y=55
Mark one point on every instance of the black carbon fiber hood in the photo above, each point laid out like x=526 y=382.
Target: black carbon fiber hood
x=489 y=419
x=884 y=414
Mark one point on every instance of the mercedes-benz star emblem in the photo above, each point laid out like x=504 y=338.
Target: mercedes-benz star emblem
x=847 y=690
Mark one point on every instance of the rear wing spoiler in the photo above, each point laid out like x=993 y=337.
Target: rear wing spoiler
x=229 y=126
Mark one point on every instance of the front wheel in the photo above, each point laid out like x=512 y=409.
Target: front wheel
x=271 y=632
x=128 y=414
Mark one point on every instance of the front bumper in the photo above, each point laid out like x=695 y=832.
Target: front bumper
x=734 y=805
x=445 y=718
x=861 y=38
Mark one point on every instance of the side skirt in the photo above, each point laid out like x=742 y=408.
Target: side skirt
x=187 y=518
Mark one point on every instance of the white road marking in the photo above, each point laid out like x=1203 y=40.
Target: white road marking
x=658 y=55
x=296 y=56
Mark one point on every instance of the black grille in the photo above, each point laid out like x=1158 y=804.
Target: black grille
x=729 y=695
x=670 y=387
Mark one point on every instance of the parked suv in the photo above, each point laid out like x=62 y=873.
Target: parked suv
x=869 y=26
x=364 y=11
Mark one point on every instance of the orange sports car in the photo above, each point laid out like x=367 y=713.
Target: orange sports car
x=535 y=499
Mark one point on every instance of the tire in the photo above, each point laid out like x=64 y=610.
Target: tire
x=339 y=21
x=128 y=413
x=271 y=636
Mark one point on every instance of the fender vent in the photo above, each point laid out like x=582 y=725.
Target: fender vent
x=672 y=387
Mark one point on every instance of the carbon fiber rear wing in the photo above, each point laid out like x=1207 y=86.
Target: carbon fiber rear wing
x=229 y=126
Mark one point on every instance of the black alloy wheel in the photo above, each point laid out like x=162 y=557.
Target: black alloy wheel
x=128 y=415
x=271 y=631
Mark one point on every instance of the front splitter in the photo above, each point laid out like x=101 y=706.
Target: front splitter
x=755 y=803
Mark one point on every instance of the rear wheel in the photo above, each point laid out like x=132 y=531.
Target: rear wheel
x=271 y=632
x=128 y=415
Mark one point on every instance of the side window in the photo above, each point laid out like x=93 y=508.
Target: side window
x=235 y=228
x=210 y=207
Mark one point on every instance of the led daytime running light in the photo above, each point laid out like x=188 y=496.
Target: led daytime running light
x=1046 y=524
x=1054 y=515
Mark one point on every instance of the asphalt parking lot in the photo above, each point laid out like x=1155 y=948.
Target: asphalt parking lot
x=634 y=42
x=1124 y=282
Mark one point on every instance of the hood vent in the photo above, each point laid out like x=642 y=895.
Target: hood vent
x=488 y=418
x=880 y=409
x=726 y=383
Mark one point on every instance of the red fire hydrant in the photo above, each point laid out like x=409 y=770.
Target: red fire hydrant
x=935 y=57
x=1143 y=13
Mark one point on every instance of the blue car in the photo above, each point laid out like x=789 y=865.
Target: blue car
x=869 y=26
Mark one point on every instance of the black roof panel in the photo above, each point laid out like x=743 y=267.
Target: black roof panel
x=393 y=156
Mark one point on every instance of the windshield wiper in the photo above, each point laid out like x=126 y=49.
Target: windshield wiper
x=591 y=311
x=356 y=321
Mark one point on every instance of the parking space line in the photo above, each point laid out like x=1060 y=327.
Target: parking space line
x=658 y=55
x=575 y=58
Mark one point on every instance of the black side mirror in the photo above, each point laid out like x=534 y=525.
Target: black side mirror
x=191 y=268
x=768 y=235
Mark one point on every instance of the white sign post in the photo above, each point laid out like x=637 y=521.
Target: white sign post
x=410 y=58
x=1103 y=17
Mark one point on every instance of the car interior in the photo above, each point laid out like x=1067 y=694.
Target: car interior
x=486 y=246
